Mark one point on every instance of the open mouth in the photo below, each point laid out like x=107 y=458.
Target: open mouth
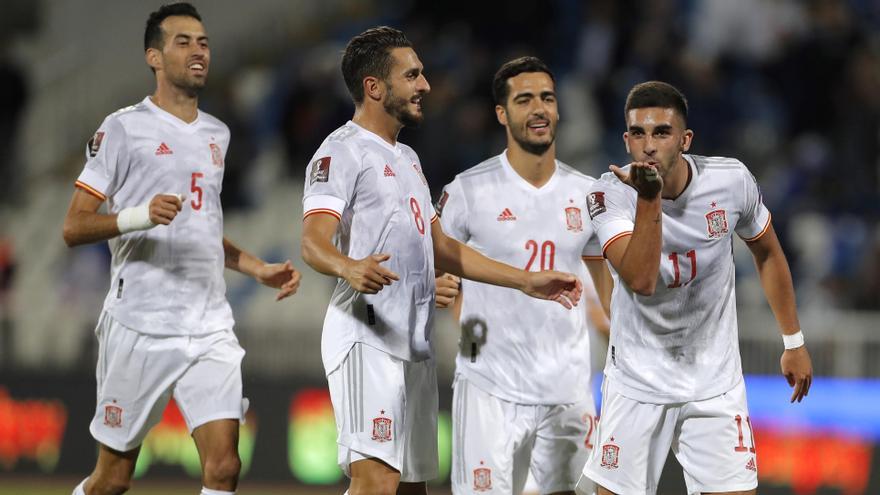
x=539 y=126
x=197 y=67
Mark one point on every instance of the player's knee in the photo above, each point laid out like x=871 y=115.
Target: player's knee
x=223 y=470
x=110 y=485
x=374 y=485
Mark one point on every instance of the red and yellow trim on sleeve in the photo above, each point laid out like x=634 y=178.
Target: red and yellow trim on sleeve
x=435 y=218
x=593 y=258
x=90 y=190
x=326 y=211
x=615 y=238
x=763 y=231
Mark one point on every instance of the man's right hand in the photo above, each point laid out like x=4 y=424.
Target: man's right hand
x=642 y=177
x=367 y=275
x=164 y=207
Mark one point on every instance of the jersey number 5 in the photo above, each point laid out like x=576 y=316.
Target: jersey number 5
x=197 y=191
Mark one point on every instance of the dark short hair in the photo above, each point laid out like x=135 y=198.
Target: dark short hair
x=369 y=54
x=513 y=68
x=153 y=32
x=656 y=94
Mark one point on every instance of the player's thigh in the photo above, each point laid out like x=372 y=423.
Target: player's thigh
x=135 y=375
x=716 y=445
x=633 y=440
x=489 y=440
x=564 y=439
x=211 y=388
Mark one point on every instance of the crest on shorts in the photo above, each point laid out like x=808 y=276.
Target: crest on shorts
x=382 y=428
x=573 y=219
x=482 y=479
x=596 y=203
x=95 y=143
x=216 y=155
x=716 y=223
x=610 y=454
x=113 y=416
x=320 y=170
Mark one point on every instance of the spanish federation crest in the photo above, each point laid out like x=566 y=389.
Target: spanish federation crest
x=382 y=429
x=716 y=223
x=573 y=219
x=609 y=455
x=216 y=155
x=113 y=416
x=482 y=479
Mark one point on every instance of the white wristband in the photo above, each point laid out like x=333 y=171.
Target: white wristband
x=134 y=218
x=793 y=341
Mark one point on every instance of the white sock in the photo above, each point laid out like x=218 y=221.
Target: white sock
x=80 y=488
x=208 y=491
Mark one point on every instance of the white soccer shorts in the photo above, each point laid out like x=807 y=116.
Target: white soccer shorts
x=386 y=409
x=496 y=443
x=712 y=439
x=138 y=373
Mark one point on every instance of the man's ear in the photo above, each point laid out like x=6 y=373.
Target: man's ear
x=153 y=57
x=374 y=88
x=686 y=139
x=501 y=114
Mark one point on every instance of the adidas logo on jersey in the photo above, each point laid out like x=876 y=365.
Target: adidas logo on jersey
x=506 y=215
x=389 y=172
x=751 y=465
x=163 y=149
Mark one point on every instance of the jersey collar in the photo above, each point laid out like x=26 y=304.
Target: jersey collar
x=173 y=119
x=524 y=184
x=682 y=198
x=396 y=149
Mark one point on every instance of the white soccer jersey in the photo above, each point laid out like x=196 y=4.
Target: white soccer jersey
x=380 y=196
x=167 y=280
x=680 y=344
x=515 y=347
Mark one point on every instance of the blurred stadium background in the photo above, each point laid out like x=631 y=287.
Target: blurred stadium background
x=791 y=87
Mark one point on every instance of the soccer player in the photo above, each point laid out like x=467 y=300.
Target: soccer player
x=166 y=327
x=366 y=189
x=521 y=359
x=673 y=376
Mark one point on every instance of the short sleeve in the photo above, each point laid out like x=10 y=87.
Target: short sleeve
x=106 y=160
x=452 y=209
x=612 y=211
x=330 y=180
x=755 y=218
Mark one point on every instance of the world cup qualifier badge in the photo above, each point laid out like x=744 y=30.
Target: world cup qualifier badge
x=716 y=223
x=596 y=203
x=441 y=203
x=382 y=428
x=95 y=143
x=320 y=170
